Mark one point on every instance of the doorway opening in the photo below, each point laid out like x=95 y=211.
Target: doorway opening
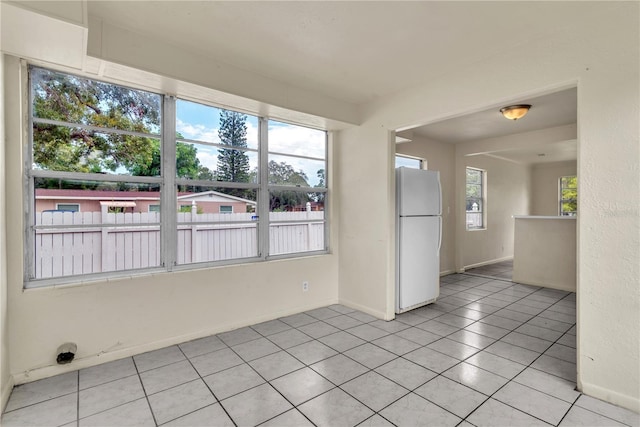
x=525 y=161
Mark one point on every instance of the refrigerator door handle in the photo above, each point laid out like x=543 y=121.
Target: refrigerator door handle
x=440 y=195
x=440 y=235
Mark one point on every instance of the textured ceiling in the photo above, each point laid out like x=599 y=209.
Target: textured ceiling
x=555 y=109
x=353 y=51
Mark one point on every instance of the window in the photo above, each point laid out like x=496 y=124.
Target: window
x=475 y=199
x=409 y=162
x=297 y=181
x=93 y=144
x=226 y=146
x=68 y=207
x=234 y=186
x=568 y=195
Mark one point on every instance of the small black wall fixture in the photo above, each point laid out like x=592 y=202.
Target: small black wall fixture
x=66 y=353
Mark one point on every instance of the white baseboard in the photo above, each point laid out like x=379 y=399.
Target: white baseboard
x=5 y=393
x=628 y=402
x=42 y=372
x=561 y=287
x=446 y=272
x=483 y=263
x=355 y=306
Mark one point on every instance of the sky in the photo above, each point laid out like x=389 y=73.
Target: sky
x=201 y=122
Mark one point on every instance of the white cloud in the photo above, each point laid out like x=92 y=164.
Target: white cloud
x=301 y=141
x=200 y=132
x=208 y=158
x=197 y=131
x=297 y=140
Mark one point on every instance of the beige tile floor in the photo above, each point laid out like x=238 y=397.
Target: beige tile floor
x=488 y=353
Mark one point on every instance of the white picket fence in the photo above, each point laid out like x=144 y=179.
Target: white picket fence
x=132 y=240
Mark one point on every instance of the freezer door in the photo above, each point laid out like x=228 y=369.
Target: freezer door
x=418 y=261
x=418 y=192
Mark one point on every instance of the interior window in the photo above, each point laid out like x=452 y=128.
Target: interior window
x=408 y=162
x=568 y=195
x=475 y=198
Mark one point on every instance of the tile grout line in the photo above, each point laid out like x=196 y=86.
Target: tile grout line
x=413 y=390
x=506 y=307
x=153 y=415
x=335 y=386
x=509 y=380
x=296 y=370
x=206 y=385
x=464 y=385
x=339 y=386
x=528 y=366
x=78 y=402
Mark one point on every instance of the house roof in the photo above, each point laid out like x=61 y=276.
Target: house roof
x=102 y=195
x=212 y=196
x=47 y=193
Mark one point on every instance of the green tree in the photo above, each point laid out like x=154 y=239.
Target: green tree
x=284 y=174
x=188 y=165
x=569 y=195
x=233 y=164
x=76 y=100
x=72 y=99
x=317 y=196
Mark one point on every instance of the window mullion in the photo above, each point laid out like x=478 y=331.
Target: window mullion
x=29 y=201
x=328 y=141
x=263 y=193
x=168 y=215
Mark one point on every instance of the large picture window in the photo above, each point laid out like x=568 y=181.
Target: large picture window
x=475 y=199
x=122 y=179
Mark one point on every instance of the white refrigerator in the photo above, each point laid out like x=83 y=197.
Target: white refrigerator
x=419 y=236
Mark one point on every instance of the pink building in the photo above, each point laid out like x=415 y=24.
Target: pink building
x=136 y=201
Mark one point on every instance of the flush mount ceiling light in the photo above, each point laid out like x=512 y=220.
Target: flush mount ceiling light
x=515 y=112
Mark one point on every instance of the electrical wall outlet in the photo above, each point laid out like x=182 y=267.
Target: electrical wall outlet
x=305 y=286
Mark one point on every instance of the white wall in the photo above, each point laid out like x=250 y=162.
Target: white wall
x=440 y=156
x=600 y=54
x=545 y=252
x=367 y=202
x=507 y=194
x=545 y=187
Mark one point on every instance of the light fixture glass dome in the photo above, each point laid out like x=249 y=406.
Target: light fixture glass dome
x=515 y=112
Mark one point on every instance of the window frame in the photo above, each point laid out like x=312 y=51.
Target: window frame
x=562 y=200
x=168 y=183
x=482 y=199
